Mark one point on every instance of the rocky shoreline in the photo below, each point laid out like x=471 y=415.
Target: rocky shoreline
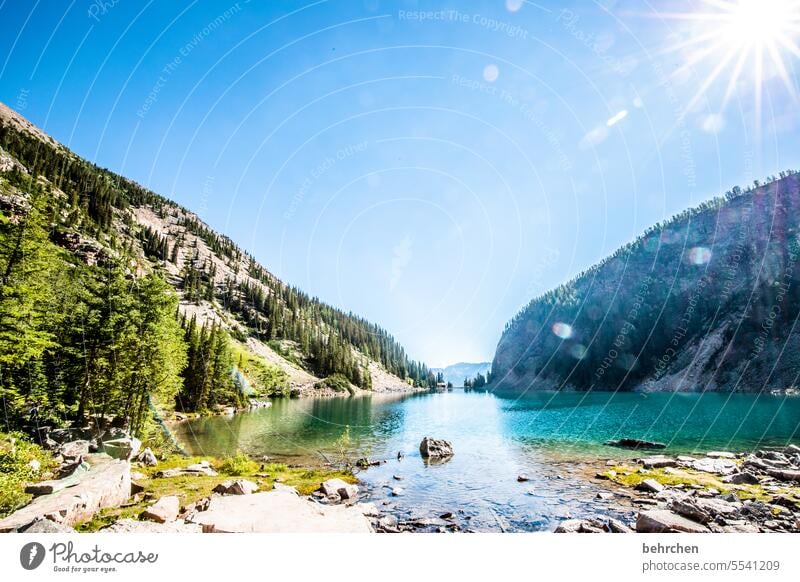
x=717 y=492
x=105 y=482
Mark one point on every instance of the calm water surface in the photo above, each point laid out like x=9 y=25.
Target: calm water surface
x=549 y=436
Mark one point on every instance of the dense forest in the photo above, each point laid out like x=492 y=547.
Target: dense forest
x=707 y=300
x=89 y=314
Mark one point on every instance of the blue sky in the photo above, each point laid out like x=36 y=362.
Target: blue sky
x=431 y=166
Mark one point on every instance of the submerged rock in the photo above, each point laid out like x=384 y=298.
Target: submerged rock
x=629 y=443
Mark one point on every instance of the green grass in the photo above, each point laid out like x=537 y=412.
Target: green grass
x=631 y=476
x=16 y=454
x=191 y=488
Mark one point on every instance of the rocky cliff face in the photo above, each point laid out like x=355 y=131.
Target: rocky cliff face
x=706 y=301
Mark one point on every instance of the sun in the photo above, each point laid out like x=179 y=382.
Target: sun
x=739 y=38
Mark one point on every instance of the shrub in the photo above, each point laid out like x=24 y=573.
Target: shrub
x=337 y=383
x=19 y=458
x=239 y=464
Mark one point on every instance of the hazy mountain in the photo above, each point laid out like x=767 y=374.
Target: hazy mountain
x=706 y=301
x=456 y=373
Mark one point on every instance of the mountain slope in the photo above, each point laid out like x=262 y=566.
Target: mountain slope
x=107 y=221
x=455 y=374
x=705 y=301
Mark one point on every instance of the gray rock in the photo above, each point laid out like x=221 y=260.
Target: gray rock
x=743 y=478
x=107 y=483
x=718 y=466
x=348 y=492
x=569 y=526
x=279 y=511
x=431 y=448
x=147 y=458
x=664 y=521
x=616 y=526
x=690 y=510
x=124 y=448
x=332 y=486
x=134 y=526
x=74 y=449
x=164 y=510
x=236 y=487
x=658 y=462
x=47 y=526
x=650 y=485
x=523 y=478
x=720 y=455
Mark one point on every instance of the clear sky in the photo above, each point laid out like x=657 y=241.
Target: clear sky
x=429 y=165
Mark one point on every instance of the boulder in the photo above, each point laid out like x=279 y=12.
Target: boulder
x=569 y=526
x=121 y=448
x=718 y=466
x=690 y=510
x=743 y=478
x=47 y=526
x=106 y=483
x=720 y=455
x=55 y=485
x=658 y=462
x=278 y=511
x=431 y=448
x=164 y=510
x=650 y=485
x=134 y=526
x=332 y=486
x=147 y=458
x=236 y=487
x=348 y=492
x=74 y=449
x=616 y=526
x=664 y=521
x=784 y=474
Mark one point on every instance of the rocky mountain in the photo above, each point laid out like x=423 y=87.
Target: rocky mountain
x=279 y=335
x=457 y=373
x=705 y=301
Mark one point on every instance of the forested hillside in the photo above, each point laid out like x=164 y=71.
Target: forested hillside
x=117 y=302
x=706 y=301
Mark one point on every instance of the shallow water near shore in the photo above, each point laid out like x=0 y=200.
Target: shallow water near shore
x=554 y=438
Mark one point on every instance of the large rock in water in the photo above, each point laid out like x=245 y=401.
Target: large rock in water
x=635 y=444
x=278 y=511
x=431 y=448
x=107 y=483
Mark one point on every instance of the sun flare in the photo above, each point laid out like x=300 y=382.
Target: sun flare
x=741 y=37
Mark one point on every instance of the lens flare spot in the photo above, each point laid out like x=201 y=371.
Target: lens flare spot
x=699 y=255
x=578 y=351
x=562 y=330
x=490 y=73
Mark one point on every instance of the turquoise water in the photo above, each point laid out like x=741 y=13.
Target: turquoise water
x=549 y=436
